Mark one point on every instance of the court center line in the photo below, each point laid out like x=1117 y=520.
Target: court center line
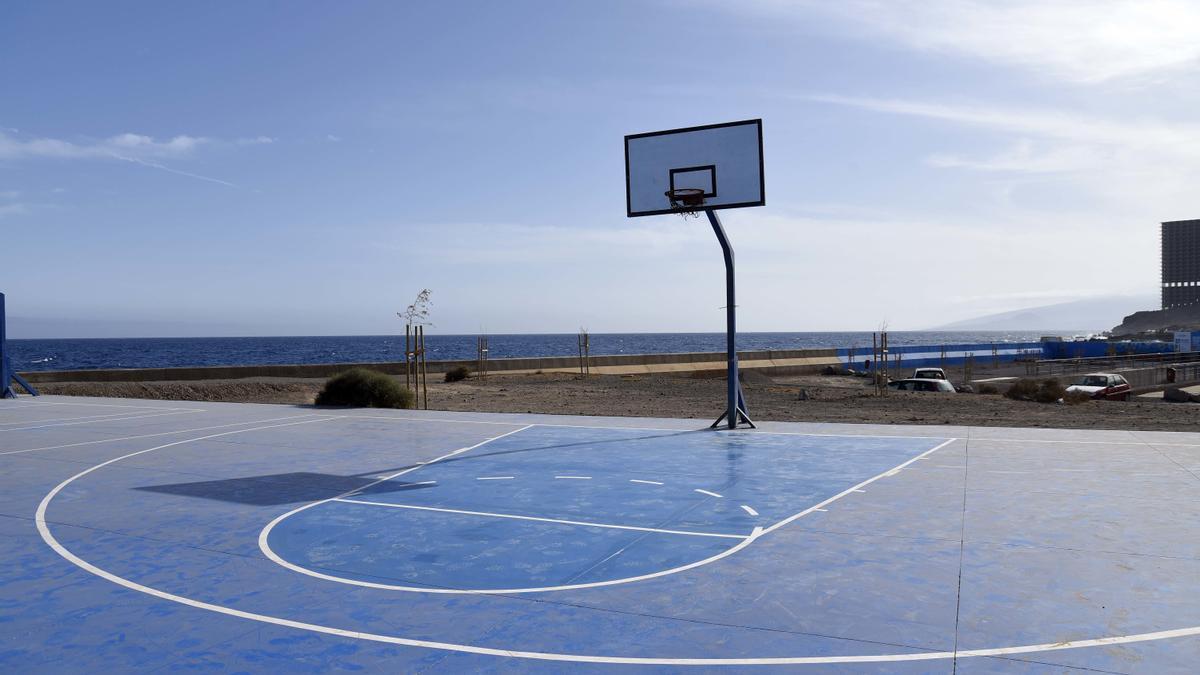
x=107 y=419
x=559 y=521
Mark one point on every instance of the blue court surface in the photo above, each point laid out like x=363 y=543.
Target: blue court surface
x=144 y=536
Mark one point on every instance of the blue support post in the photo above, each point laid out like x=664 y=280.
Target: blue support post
x=735 y=404
x=7 y=374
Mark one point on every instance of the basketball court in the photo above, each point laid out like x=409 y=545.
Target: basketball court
x=148 y=535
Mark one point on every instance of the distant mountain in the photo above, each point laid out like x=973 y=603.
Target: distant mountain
x=1092 y=314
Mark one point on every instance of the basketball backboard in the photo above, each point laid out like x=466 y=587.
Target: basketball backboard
x=723 y=160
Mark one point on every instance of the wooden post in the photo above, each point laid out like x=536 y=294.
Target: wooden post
x=875 y=362
x=585 y=353
x=407 y=357
x=424 y=370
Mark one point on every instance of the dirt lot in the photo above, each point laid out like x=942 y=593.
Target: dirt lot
x=828 y=399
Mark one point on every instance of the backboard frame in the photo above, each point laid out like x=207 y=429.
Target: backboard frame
x=762 y=189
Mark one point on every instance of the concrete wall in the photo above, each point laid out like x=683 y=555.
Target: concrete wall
x=780 y=362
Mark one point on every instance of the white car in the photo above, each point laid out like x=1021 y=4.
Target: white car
x=1102 y=386
x=929 y=374
x=923 y=384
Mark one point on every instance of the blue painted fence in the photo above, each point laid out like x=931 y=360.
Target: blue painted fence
x=917 y=356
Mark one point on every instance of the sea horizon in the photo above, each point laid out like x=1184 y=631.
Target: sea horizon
x=38 y=354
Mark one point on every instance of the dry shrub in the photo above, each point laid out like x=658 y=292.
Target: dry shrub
x=1050 y=391
x=364 y=388
x=1022 y=390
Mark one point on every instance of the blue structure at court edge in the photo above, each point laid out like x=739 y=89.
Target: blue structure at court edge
x=7 y=374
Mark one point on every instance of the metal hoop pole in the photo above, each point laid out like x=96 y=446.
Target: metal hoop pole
x=735 y=408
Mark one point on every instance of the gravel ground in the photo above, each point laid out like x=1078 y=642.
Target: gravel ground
x=828 y=399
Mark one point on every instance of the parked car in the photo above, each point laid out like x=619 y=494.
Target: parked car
x=929 y=374
x=922 y=384
x=1102 y=386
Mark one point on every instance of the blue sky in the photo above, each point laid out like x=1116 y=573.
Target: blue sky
x=306 y=168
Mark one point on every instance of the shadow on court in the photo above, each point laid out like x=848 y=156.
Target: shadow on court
x=282 y=488
x=301 y=486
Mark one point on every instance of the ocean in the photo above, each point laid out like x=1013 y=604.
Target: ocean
x=80 y=354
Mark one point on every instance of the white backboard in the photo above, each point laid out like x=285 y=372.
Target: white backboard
x=725 y=160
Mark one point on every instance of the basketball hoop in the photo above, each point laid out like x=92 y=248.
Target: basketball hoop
x=686 y=201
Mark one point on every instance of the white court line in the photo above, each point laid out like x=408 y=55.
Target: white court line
x=630 y=428
x=572 y=478
x=706 y=492
x=860 y=486
x=66 y=554
x=749 y=510
x=821 y=510
x=89 y=417
x=160 y=433
x=104 y=405
x=582 y=523
x=773 y=433
x=117 y=419
x=644 y=482
x=495 y=478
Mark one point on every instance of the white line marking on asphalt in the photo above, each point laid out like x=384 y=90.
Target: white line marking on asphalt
x=706 y=492
x=572 y=478
x=560 y=521
x=644 y=482
x=749 y=510
x=89 y=417
x=107 y=419
x=160 y=433
x=861 y=485
x=495 y=478
x=102 y=405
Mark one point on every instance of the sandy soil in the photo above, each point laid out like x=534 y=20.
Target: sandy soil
x=828 y=399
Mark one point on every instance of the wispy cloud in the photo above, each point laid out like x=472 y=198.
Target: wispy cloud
x=1081 y=41
x=256 y=140
x=1114 y=155
x=128 y=147
x=12 y=209
x=12 y=147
